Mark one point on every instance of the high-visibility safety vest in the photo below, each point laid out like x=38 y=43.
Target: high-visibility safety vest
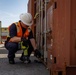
x=19 y=30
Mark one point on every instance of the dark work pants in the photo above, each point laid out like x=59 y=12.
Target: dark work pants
x=13 y=48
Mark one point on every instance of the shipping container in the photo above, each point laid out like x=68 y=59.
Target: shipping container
x=55 y=32
x=62 y=23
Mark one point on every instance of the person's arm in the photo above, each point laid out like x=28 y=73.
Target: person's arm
x=36 y=51
x=15 y=39
x=32 y=40
x=33 y=43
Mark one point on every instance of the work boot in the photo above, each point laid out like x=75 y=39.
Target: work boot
x=27 y=61
x=23 y=60
x=11 y=61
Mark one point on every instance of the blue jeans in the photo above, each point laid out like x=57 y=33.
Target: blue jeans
x=13 y=48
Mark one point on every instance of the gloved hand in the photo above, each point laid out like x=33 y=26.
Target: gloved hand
x=25 y=41
x=37 y=53
x=8 y=38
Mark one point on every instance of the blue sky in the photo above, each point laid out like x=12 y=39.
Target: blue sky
x=10 y=10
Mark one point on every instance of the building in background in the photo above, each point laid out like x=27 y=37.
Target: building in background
x=0 y=33
x=4 y=33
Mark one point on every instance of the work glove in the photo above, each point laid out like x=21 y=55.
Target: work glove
x=25 y=41
x=37 y=53
x=8 y=38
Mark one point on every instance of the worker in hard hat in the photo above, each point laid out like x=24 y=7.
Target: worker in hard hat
x=20 y=31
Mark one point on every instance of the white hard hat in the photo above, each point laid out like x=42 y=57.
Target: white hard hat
x=26 y=18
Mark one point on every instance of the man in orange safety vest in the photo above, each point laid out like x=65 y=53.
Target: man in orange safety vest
x=20 y=31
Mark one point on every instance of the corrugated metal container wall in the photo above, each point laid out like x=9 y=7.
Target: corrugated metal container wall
x=31 y=10
x=73 y=32
x=71 y=69
x=50 y=35
x=61 y=33
x=63 y=50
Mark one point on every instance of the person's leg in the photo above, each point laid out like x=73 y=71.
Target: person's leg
x=12 y=49
x=30 y=49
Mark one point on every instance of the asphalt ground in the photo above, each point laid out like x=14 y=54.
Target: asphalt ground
x=20 y=68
